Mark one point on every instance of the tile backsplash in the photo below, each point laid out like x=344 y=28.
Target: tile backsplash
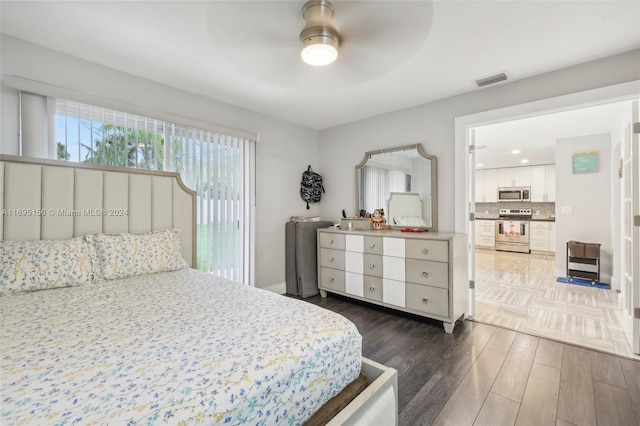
x=493 y=209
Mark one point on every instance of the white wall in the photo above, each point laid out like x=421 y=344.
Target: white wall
x=588 y=197
x=282 y=154
x=433 y=124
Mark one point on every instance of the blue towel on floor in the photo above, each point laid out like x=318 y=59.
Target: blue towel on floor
x=583 y=282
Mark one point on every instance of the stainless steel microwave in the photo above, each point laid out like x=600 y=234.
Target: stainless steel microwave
x=520 y=193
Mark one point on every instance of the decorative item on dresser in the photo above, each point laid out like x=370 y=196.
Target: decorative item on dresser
x=421 y=273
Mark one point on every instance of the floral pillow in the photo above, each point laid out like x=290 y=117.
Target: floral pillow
x=39 y=265
x=127 y=255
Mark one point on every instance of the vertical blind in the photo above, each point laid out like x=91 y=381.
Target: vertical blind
x=215 y=165
x=377 y=183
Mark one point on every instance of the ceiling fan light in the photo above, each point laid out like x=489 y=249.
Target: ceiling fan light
x=319 y=40
x=319 y=50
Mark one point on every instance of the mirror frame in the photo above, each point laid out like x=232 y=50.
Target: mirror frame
x=434 y=178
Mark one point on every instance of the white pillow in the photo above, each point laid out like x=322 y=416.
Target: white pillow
x=127 y=255
x=410 y=221
x=39 y=265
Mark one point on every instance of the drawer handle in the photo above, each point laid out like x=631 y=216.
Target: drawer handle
x=331 y=280
x=425 y=251
x=331 y=259
x=371 y=266
x=425 y=299
x=425 y=274
x=330 y=241
x=372 y=289
x=372 y=245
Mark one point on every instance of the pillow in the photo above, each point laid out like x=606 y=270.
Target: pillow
x=39 y=265
x=410 y=221
x=127 y=255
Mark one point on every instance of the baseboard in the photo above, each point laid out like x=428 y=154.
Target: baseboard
x=280 y=288
x=615 y=284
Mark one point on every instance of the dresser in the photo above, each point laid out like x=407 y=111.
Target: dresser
x=420 y=273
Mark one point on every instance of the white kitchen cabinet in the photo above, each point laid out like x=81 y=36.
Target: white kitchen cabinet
x=550 y=182
x=542 y=237
x=543 y=183
x=514 y=176
x=486 y=186
x=552 y=237
x=485 y=232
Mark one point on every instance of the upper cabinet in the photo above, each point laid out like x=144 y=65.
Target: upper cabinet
x=541 y=179
x=487 y=186
x=514 y=176
x=543 y=183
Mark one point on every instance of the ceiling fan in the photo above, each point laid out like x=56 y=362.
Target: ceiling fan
x=263 y=39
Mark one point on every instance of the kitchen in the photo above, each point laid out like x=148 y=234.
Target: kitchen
x=528 y=204
x=515 y=209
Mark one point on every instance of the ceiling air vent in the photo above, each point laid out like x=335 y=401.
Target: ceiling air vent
x=491 y=80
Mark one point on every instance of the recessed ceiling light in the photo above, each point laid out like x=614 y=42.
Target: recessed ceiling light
x=515 y=151
x=479 y=165
x=524 y=161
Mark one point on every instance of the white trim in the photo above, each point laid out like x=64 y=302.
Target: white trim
x=280 y=288
x=250 y=260
x=46 y=89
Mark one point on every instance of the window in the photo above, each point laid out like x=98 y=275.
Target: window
x=217 y=166
x=378 y=182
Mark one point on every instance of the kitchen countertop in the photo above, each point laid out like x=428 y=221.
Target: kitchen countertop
x=540 y=218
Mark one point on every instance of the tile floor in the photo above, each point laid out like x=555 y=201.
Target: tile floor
x=519 y=291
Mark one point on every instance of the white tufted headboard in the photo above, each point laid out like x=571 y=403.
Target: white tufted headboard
x=55 y=200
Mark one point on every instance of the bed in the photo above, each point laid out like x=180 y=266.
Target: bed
x=129 y=333
x=405 y=209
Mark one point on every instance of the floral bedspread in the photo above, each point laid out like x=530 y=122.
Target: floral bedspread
x=181 y=347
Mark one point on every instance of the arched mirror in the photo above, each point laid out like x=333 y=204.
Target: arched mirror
x=403 y=181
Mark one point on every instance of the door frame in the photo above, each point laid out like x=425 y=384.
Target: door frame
x=464 y=178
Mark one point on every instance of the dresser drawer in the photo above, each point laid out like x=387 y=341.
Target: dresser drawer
x=428 y=250
x=331 y=240
x=373 y=265
x=430 y=300
x=332 y=279
x=426 y=272
x=373 y=245
x=332 y=258
x=373 y=288
x=394 y=292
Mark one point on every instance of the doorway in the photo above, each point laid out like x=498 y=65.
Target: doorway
x=524 y=286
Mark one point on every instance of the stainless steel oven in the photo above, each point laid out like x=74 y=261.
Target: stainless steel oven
x=512 y=230
x=519 y=193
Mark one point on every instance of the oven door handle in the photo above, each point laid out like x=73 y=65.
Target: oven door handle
x=523 y=229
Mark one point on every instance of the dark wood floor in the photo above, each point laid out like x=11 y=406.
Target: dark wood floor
x=485 y=375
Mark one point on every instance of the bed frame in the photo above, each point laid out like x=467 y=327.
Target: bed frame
x=404 y=204
x=55 y=200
